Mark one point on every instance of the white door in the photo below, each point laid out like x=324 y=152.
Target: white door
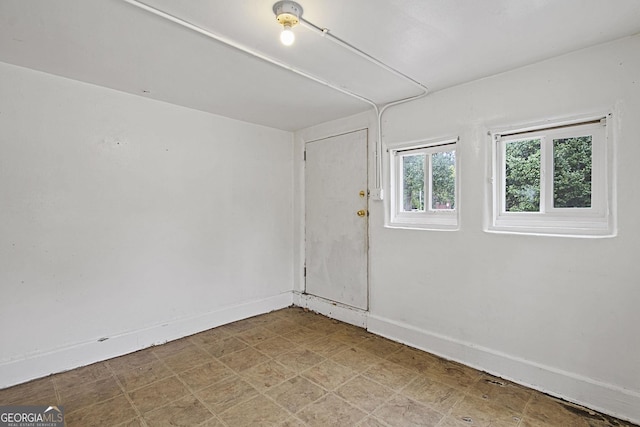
x=337 y=218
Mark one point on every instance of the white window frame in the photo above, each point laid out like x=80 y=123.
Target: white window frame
x=595 y=221
x=429 y=219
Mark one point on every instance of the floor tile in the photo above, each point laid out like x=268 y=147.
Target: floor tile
x=86 y=394
x=158 y=394
x=296 y=393
x=380 y=346
x=454 y=374
x=71 y=379
x=265 y=318
x=302 y=336
x=133 y=360
x=533 y=422
x=295 y=313
x=350 y=334
x=414 y=359
x=172 y=347
x=281 y=326
x=402 y=411
x=212 y=422
x=436 y=395
x=331 y=411
x=303 y=318
x=187 y=358
x=186 y=412
x=205 y=375
x=237 y=327
x=224 y=346
x=371 y=421
x=364 y=393
x=275 y=346
x=299 y=359
x=326 y=346
x=135 y=422
x=356 y=358
x=329 y=374
x=292 y=422
x=137 y=377
x=449 y=421
x=108 y=413
x=477 y=412
x=268 y=374
x=255 y=335
x=227 y=393
x=322 y=323
x=500 y=392
x=390 y=374
x=543 y=409
x=36 y=392
x=258 y=411
x=351 y=340
x=595 y=420
x=244 y=359
x=209 y=337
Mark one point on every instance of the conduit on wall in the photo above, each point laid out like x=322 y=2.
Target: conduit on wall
x=324 y=32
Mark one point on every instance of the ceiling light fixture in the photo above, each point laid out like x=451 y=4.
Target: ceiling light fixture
x=288 y=14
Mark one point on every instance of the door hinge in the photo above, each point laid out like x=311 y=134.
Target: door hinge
x=305 y=155
x=305 y=272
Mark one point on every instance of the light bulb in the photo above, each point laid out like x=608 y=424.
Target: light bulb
x=287 y=37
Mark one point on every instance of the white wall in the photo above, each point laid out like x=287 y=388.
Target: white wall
x=559 y=314
x=130 y=219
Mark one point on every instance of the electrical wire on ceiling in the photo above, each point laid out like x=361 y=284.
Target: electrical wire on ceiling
x=295 y=8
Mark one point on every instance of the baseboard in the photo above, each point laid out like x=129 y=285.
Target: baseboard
x=63 y=359
x=334 y=310
x=606 y=398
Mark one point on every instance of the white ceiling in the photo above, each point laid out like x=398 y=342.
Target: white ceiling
x=437 y=42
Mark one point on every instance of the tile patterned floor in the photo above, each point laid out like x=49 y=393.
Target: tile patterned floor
x=293 y=368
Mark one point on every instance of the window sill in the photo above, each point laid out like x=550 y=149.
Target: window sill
x=577 y=231
x=448 y=223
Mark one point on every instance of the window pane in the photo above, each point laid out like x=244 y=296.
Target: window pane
x=443 y=180
x=413 y=183
x=522 y=176
x=572 y=172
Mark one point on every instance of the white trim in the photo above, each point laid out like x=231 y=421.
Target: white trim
x=334 y=310
x=598 y=395
x=81 y=354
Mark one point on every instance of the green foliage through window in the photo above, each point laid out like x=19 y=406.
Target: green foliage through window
x=443 y=175
x=572 y=172
x=522 y=176
x=413 y=183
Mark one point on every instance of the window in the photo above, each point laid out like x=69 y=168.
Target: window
x=424 y=185
x=552 y=180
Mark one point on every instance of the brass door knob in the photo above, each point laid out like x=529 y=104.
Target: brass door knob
x=361 y=212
